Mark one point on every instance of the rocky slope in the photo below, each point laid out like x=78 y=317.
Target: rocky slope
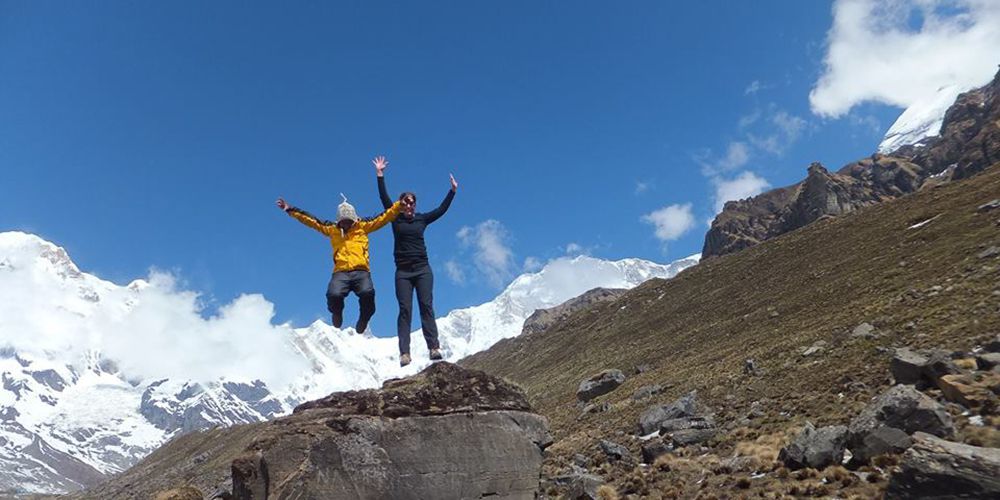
x=446 y=432
x=728 y=361
x=542 y=319
x=969 y=141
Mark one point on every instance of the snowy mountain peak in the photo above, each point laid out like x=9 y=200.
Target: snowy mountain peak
x=96 y=375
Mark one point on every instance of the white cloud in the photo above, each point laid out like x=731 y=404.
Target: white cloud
x=754 y=87
x=574 y=249
x=787 y=128
x=153 y=331
x=744 y=185
x=671 y=222
x=875 y=54
x=641 y=187
x=737 y=155
x=531 y=264
x=455 y=272
x=491 y=252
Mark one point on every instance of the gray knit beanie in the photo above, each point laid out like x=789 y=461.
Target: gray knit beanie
x=346 y=211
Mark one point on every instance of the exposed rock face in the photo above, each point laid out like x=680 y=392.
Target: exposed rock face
x=901 y=407
x=600 y=384
x=935 y=468
x=816 y=448
x=686 y=407
x=969 y=143
x=541 y=319
x=447 y=432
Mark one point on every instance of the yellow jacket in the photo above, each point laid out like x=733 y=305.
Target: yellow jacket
x=350 y=249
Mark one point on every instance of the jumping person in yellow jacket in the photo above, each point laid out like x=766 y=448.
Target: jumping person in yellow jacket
x=351 y=272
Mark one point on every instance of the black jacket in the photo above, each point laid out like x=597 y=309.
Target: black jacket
x=409 y=250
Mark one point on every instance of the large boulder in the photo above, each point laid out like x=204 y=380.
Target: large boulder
x=935 y=468
x=901 y=407
x=971 y=390
x=447 y=432
x=816 y=448
x=600 y=384
x=686 y=406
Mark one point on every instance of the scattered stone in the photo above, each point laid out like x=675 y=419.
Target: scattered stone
x=939 y=364
x=600 y=384
x=750 y=368
x=614 y=451
x=986 y=207
x=993 y=345
x=879 y=442
x=990 y=252
x=987 y=360
x=643 y=368
x=907 y=409
x=864 y=331
x=650 y=420
x=935 y=468
x=678 y=424
x=971 y=391
x=907 y=366
x=584 y=487
x=594 y=408
x=646 y=391
x=654 y=450
x=901 y=407
x=580 y=460
x=817 y=347
x=756 y=410
x=816 y=448
x=685 y=437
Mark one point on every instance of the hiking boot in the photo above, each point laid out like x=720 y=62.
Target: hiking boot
x=337 y=320
x=361 y=327
x=404 y=359
x=435 y=354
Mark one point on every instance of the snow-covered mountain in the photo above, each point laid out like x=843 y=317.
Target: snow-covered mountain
x=922 y=119
x=96 y=375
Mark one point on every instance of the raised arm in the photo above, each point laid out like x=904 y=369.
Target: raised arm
x=306 y=218
x=383 y=194
x=384 y=218
x=436 y=214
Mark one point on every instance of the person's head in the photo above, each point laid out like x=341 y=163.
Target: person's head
x=346 y=215
x=409 y=201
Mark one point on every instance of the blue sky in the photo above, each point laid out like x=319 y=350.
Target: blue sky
x=142 y=134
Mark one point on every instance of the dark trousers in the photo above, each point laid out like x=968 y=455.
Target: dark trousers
x=422 y=279
x=344 y=282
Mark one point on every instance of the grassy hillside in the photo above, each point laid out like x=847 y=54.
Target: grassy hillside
x=923 y=287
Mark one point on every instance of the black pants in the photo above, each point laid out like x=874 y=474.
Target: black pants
x=422 y=279
x=344 y=282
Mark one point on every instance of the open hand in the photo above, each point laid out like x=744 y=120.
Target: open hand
x=380 y=165
x=454 y=183
x=282 y=205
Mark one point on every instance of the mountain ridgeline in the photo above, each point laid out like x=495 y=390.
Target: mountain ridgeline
x=968 y=143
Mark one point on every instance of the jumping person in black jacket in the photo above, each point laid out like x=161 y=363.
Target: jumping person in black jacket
x=413 y=271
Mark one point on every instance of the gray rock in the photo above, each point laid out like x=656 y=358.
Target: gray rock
x=750 y=367
x=907 y=366
x=987 y=360
x=686 y=437
x=652 y=451
x=818 y=347
x=614 y=451
x=901 y=407
x=989 y=252
x=584 y=487
x=447 y=432
x=878 y=442
x=935 y=468
x=600 y=384
x=580 y=460
x=646 y=391
x=678 y=424
x=816 y=448
x=594 y=408
x=939 y=364
x=993 y=345
x=986 y=207
x=865 y=331
x=650 y=420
